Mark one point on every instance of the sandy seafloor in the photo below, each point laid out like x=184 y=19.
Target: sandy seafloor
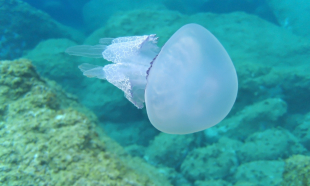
x=58 y=127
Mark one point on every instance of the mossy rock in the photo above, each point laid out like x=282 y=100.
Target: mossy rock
x=48 y=138
x=297 y=171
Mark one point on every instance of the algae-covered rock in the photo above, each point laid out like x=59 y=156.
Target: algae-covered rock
x=270 y=144
x=215 y=161
x=45 y=139
x=22 y=27
x=297 y=171
x=292 y=15
x=51 y=62
x=290 y=83
x=169 y=150
x=302 y=131
x=260 y=173
x=130 y=132
x=212 y=182
x=96 y=14
x=245 y=183
x=161 y=22
x=253 y=118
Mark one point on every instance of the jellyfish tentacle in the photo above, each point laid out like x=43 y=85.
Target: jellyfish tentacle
x=86 y=50
x=106 y=41
x=90 y=70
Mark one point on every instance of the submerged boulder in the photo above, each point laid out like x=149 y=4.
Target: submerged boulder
x=48 y=138
x=22 y=27
x=297 y=171
x=292 y=15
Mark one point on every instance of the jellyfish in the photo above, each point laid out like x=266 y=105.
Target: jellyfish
x=188 y=85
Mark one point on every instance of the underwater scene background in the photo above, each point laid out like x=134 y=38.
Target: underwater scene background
x=58 y=127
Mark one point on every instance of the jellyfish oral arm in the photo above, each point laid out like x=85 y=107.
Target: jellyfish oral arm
x=131 y=57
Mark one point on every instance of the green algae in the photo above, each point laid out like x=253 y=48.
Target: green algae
x=48 y=138
x=297 y=171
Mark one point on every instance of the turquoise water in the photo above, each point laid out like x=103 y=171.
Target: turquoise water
x=47 y=128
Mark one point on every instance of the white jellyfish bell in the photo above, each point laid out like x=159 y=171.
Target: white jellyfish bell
x=188 y=85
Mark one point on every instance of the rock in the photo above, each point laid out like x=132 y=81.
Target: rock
x=169 y=150
x=67 y=12
x=212 y=182
x=302 y=131
x=51 y=62
x=17 y=33
x=96 y=13
x=292 y=15
x=48 y=138
x=253 y=118
x=260 y=173
x=259 y=82
x=135 y=150
x=244 y=183
x=161 y=22
x=215 y=161
x=130 y=132
x=271 y=144
x=297 y=171
x=259 y=8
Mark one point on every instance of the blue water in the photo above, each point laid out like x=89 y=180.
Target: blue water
x=268 y=42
